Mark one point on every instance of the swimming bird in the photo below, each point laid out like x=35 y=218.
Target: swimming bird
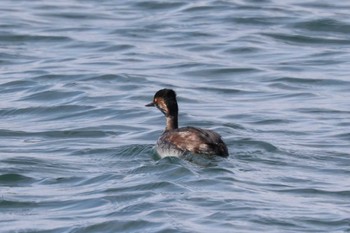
x=176 y=141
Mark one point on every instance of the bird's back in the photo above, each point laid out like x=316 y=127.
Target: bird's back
x=193 y=140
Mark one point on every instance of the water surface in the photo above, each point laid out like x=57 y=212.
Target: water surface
x=76 y=142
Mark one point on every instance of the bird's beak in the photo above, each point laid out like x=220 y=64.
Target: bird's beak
x=150 y=104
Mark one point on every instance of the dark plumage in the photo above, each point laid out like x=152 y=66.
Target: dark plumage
x=178 y=141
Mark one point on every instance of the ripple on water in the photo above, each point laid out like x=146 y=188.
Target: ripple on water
x=77 y=143
x=33 y=39
x=327 y=25
x=13 y=179
x=303 y=39
x=54 y=96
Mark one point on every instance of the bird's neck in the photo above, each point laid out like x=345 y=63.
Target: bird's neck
x=171 y=123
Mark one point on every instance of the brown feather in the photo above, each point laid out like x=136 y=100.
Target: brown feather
x=195 y=140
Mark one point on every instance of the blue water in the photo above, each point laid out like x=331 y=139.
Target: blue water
x=76 y=142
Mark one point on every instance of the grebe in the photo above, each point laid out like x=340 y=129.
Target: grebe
x=176 y=141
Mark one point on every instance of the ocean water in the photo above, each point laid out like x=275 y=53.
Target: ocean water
x=77 y=144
